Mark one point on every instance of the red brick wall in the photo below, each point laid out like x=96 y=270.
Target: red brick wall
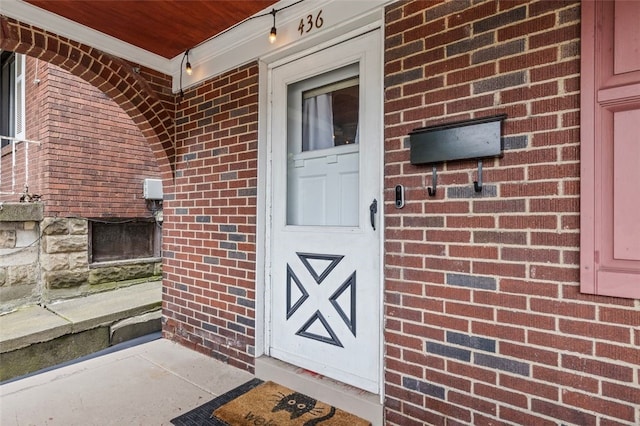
x=485 y=322
x=93 y=158
x=12 y=179
x=145 y=95
x=209 y=241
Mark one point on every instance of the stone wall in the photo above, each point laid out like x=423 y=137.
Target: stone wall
x=45 y=259
x=19 y=272
x=66 y=271
x=64 y=258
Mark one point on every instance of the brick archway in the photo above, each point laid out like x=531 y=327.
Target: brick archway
x=145 y=95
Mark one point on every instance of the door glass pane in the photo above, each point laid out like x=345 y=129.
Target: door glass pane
x=323 y=149
x=330 y=115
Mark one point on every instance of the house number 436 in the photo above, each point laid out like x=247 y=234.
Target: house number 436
x=310 y=22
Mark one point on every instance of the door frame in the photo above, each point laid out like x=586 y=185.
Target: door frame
x=265 y=190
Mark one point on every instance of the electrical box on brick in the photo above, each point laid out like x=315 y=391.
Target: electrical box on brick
x=152 y=189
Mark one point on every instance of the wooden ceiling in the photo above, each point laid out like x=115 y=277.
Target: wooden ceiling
x=164 y=27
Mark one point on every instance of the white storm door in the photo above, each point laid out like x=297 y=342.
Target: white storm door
x=325 y=287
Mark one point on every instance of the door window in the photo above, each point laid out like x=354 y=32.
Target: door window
x=330 y=115
x=322 y=147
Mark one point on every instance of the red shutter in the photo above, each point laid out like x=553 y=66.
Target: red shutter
x=610 y=148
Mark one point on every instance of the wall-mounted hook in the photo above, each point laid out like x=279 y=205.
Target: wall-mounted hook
x=477 y=184
x=434 y=183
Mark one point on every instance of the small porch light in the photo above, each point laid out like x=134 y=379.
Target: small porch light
x=187 y=67
x=273 y=32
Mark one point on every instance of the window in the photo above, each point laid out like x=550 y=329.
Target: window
x=610 y=149
x=330 y=115
x=12 y=106
x=323 y=149
x=123 y=239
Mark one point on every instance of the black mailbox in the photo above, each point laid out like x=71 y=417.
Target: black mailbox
x=475 y=138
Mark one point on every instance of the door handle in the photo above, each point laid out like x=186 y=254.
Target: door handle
x=373 y=209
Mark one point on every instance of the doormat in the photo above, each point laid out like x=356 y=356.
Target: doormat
x=267 y=404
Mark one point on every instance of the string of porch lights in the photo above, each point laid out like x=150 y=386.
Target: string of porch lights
x=273 y=33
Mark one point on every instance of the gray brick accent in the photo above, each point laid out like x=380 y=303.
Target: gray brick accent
x=239 y=112
x=246 y=321
x=237 y=291
x=423 y=387
x=229 y=176
x=472 y=281
x=468 y=45
x=203 y=219
x=499 y=51
x=468 y=191
x=228 y=246
x=473 y=342
x=237 y=255
x=504 y=364
x=447 y=8
x=228 y=228
x=205 y=105
x=501 y=20
x=405 y=50
x=205 y=122
x=246 y=302
x=236 y=327
x=448 y=351
x=404 y=77
x=515 y=142
x=500 y=82
x=247 y=192
x=182 y=211
x=210 y=327
x=211 y=260
x=219 y=151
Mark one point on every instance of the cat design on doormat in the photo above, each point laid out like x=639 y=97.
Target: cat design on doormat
x=297 y=404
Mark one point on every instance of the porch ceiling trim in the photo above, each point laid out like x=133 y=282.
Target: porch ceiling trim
x=246 y=42
x=249 y=41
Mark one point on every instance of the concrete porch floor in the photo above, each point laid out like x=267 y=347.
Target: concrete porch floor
x=148 y=384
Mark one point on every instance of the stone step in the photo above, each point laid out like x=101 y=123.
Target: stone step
x=37 y=337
